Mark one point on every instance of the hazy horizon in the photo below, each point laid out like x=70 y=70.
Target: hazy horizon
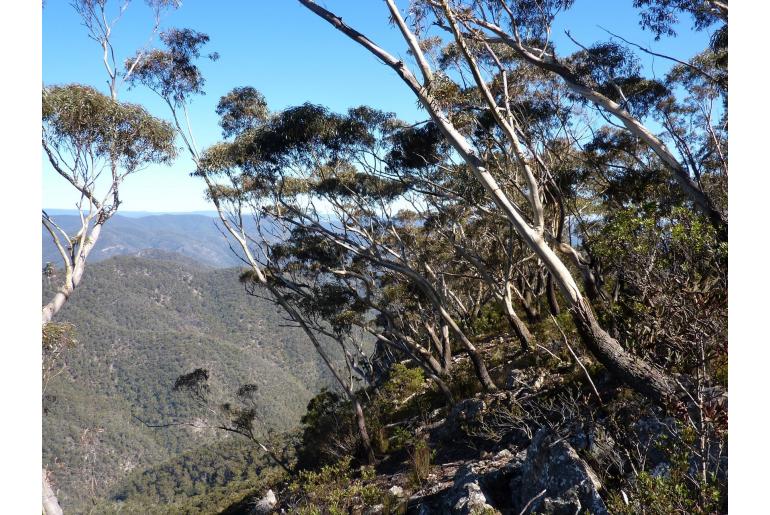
x=353 y=78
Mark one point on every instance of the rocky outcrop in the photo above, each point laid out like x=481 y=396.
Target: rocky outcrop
x=474 y=487
x=469 y=498
x=265 y=504
x=476 y=483
x=553 y=479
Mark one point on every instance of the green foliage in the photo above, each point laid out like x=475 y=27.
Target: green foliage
x=677 y=489
x=664 y=495
x=242 y=109
x=402 y=383
x=671 y=284
x=328 y=431
x=58 y=336
x=79 y=119
x=58 y=339
x=669 y=493
x=661 y=16
x=166 y=319
x=171 y=73
x=401 y=438
x=463 y=382
x=419 y=459
x=333 y=490
x=206 y=480
x=491 y=320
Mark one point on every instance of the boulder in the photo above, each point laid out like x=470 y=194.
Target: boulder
x=266 y=504
x=598 y=446
x=553 y=479
x=469 y=498
x=473 y=482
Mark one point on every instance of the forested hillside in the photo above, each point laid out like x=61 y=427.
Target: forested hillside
x=515 y=303
x=139 y=324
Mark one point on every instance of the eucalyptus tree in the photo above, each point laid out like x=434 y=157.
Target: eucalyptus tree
x=95 y=142
x=473 y=30
x=322 y=153
x=86 y=133
x=89 y=139
x=346 y=295
x=603 y=74
x=173 y=74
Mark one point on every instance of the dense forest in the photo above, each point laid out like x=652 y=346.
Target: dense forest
x=516 y=305
x=139 y=323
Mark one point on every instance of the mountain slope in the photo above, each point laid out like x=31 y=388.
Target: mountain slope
x=194 y=236
x=141 y=322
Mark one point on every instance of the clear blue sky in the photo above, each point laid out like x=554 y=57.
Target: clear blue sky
x=292 y=57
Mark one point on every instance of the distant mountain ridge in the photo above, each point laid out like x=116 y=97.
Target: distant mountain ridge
x=196 y=236
x=136 y=214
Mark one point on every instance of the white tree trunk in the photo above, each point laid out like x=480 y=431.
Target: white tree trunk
x=70 y=283
x=636 y=372
x=50 y=502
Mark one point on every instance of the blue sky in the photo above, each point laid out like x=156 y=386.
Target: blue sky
x=292 y=57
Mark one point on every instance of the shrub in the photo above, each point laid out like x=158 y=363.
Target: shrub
x=676 y=490
x=333 y=490
x=402 y=383
x=328 y=433
x=419 y=460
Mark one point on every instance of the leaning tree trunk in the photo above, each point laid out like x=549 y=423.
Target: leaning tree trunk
x=362 y=431
x=637 y=373
x=72 y=282
x=50 y=502
x=632 y=370
x=517 y=324
x=553 y=302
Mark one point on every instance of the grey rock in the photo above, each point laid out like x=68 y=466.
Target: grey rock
x=598 y=446
x=473 y=501
x=469 y=494
x=265 y=504
x=396 y=491
x=552 y=465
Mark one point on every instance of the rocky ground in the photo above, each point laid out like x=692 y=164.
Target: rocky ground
x=548 y=442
